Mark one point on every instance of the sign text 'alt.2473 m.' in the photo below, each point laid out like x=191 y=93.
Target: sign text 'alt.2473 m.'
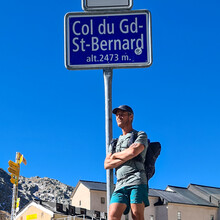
x=95 y=41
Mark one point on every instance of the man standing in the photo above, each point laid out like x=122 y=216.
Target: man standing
x=131 y=191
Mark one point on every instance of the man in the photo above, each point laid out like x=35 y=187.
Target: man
x=131 y=191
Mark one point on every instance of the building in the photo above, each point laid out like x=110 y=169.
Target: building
x=178 y=203
x=195 y=202
x=88 y=201
x=90 y=195
x=44 y=210
x=39 y=210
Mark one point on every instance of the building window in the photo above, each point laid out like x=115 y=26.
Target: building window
x=79 y=202
x=212 y=217
x=151 y=217
x=178 y=215
x=102 y=200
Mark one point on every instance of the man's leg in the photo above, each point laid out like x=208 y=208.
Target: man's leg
x=116 y=210
x=139 y=200
x=137 y=211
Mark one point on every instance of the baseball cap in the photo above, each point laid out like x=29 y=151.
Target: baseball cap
x=125 y=108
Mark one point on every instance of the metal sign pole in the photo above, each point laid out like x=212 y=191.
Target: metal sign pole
x=13 y=205
x=108 y=128
x=15 y=194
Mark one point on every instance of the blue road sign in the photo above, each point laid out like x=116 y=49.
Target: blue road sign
x=110 y=40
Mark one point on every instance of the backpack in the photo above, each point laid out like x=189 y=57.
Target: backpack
x=153 y=151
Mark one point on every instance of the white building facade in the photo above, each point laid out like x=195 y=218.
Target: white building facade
x=195 y=202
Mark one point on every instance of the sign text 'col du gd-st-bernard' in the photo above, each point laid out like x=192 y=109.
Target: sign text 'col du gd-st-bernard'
x=108 y=40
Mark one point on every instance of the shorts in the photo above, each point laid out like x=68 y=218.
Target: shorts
x=131 y=194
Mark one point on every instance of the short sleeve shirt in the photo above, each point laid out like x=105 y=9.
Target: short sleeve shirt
x=132 y=171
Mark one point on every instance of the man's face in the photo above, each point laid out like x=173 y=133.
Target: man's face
x=123 y=118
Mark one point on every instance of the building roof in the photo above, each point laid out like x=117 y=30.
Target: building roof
x=91 y=185
x=185 y=196
x=208 y=190
x=99 y=186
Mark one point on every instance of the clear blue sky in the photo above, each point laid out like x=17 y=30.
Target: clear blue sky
x=56 y=117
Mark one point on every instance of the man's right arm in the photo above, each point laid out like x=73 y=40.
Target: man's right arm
x=111 y=162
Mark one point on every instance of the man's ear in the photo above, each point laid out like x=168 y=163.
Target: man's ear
x=131 y=117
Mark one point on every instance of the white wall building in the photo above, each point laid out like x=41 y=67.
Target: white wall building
x=88 y=201
x=195 y=202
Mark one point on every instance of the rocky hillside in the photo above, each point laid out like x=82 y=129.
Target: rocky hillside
x=33 y=188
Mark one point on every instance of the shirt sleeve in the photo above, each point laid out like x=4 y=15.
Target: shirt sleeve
x=142 y=139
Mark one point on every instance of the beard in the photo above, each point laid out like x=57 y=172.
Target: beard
x=123 y=124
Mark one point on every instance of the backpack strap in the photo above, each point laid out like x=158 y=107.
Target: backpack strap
x=133 y=137
x=113 y=145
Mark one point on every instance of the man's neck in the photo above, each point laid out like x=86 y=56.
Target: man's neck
x=126 y=130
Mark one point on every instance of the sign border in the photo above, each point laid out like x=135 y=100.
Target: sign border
x=85 y=6
x=108 y=65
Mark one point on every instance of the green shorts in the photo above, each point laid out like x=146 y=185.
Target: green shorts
x=131 y=194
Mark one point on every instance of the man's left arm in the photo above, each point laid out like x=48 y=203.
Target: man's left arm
x=129 y=153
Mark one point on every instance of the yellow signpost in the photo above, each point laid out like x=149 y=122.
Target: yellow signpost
x=21 y=159
x=14 y=179
x=14 y=169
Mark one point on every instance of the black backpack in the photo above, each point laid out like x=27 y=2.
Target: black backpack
x=153 y=151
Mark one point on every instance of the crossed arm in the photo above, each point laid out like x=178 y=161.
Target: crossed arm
x=117 y=159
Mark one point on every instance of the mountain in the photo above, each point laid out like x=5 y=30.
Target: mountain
x=33 y=188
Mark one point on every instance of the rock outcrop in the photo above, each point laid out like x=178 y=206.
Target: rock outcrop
x=46 y=189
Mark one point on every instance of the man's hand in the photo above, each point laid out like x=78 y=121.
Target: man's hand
x=112 y=162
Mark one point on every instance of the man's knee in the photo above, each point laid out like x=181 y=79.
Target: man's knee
x=137 y=215
x=113 y=216
x=137 y=211
x=115 y=211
